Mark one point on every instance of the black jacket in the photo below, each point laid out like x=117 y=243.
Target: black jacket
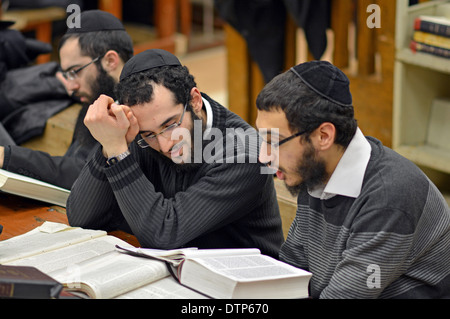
x=61 y=171
x=29 y=96
x=262 y=23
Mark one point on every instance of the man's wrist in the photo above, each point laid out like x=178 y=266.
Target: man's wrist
x=112 y=160
x=114 y=151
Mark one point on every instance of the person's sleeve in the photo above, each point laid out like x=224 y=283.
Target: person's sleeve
x=225 y=193
x=60 y=171
x=91 y=203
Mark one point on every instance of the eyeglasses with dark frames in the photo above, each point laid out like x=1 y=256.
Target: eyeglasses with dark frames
x=145 y=141
x=287 y=139
x=73 y=74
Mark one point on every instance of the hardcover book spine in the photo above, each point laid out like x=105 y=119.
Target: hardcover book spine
x=432 y=27
x=432 y=39
x=27 y=282
x=421 y=47
x=6 y=290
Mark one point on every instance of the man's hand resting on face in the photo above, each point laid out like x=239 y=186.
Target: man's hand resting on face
x=112 y=125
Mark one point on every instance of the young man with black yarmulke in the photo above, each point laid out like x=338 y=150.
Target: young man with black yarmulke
x=369 y=223
x=91 y=57
x=152 y=187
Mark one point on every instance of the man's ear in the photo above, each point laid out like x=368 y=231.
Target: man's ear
x=325 y=136
x=196 y=100
x=111 y=61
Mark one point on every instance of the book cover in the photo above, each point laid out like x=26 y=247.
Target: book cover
x=432 y=39
x=24 y=186
x=26 y=282
x=433 y=24
x=429 y=49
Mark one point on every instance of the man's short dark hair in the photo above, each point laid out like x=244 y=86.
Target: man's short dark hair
x=305 y=109
x=138 y=88
x=94 y=44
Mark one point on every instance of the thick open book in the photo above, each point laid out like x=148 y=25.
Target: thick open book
x=32 y=188
x=231 y=273
x=86 y=261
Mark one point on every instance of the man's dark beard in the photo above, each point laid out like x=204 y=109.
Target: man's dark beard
x=104 y=84
x=313 y=172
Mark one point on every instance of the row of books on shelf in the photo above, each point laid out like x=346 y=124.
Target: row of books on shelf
x=431 y=35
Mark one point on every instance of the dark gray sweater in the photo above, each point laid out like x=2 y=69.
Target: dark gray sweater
x=217 y=205
x=393 y=241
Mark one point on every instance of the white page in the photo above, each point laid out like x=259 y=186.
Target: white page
x=250 y=268
x=112 y=274
x=30 y=180
x=176 y=256
x=70 y=255
x=28 y=187
x=166 y=288
x=37 y=241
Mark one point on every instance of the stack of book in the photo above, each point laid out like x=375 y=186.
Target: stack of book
x=431 y=35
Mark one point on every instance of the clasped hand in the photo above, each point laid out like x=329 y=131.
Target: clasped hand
x=114 y=126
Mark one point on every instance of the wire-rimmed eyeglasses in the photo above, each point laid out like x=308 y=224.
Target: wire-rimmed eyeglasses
x=166 y=132
x=71 y=75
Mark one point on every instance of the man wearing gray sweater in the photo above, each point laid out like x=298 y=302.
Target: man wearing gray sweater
x=186 y=179
x=369 y=223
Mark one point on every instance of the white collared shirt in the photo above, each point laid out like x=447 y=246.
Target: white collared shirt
x=209 y=118
x=348 y=176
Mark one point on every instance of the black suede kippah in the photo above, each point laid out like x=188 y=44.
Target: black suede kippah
x=326 y=80
x=97 y=20
x=147 y=60
x=5 y=24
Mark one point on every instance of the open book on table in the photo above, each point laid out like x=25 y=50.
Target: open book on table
x=231 y=273
x=24 y=186
x=87 y=262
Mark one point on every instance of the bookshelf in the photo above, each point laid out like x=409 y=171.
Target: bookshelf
x=419 y=79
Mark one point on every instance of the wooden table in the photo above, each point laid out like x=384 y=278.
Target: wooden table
x=19 y=215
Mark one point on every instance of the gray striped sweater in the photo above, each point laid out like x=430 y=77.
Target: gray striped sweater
x=393 y=241
x=217 y=205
